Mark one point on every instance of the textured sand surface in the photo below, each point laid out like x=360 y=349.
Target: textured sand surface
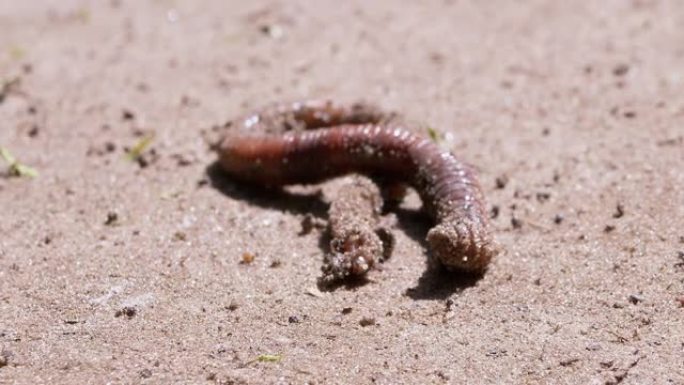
x=115 y=273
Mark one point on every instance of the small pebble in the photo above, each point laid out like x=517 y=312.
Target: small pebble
x=495 y=212
x=635 y=298
x=4 y=358
x=273 y=31
x=127 y=115
x=569 y=362
x=276 y=263
x=247 y=258
x=621 y=69
x=33 y=132
x=594 y=346
x=112 y=218
x=127 y=311
x=501 y=182
x=543 y=197
x=367 y=321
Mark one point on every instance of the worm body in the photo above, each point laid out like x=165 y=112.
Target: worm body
x=358 y=239
x=448 y=188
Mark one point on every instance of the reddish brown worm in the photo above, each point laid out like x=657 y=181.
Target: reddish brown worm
x=358 y=236
x=460 y=240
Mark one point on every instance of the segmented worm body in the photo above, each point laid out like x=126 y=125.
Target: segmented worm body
x=460 y=239
x=358 y=238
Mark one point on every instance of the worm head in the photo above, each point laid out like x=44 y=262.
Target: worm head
x=462 y=245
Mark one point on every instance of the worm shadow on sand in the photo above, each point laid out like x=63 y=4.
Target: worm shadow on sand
x=279 y=199
x=435 y=283
x=283 y=200
x=273 y=198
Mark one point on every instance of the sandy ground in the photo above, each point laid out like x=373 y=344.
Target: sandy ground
x=115 y=273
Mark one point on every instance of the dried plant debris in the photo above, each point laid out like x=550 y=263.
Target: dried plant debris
x=10 y=86
x=272 y=358
x=434 y=134
x=15 y=168
x=139 y=148
x=139 y=152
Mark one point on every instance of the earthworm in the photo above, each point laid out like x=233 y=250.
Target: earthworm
x=357 y=238
x=460 y=240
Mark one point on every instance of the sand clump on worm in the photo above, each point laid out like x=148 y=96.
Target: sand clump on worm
x=338 y=140
x=358 y=238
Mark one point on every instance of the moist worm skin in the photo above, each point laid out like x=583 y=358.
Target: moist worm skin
x=448 y=187
x=358 y=239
